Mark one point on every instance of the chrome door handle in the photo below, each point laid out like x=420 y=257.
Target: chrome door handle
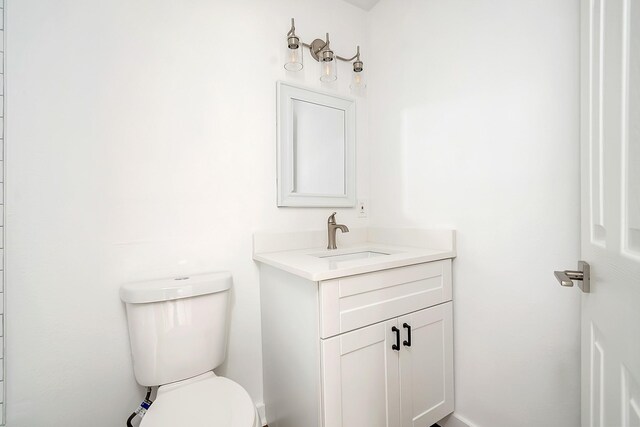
x=582 y=275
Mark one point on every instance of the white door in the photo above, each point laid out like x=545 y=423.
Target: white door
x=360 y=377
x=426 y=366
x=610 y=233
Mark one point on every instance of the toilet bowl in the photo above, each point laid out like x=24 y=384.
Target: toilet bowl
x=178 y=331
x=204 y=401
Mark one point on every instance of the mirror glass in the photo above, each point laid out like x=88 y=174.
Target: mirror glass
x=319 y=147
x=316 y=148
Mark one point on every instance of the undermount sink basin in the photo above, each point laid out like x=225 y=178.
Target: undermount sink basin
x=352 y=256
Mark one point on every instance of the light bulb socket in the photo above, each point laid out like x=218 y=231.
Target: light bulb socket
x=293 y=42
x=358 y=66
x=326 y=55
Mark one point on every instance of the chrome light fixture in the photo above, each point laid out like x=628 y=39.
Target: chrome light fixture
x=321 y=51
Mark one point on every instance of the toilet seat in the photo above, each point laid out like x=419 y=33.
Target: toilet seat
x=203 y=401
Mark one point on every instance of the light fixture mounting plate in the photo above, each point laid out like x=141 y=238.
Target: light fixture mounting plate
x=315 y=47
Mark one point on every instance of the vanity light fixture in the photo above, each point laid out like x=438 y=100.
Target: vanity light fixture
x=321 y=51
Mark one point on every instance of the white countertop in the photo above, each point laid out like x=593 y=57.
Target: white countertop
x=401 y=247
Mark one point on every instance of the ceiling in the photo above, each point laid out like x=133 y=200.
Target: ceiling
x=363 y=4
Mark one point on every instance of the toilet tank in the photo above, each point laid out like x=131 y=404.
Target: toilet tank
x=177 y=326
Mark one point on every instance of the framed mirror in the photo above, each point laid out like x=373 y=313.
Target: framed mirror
x=316 y=148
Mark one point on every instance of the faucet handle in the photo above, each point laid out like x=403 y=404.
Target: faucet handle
x=332 y=218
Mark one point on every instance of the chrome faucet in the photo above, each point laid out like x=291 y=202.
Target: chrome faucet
x=331 y=229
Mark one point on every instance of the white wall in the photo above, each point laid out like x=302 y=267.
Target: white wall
x=141 y=143
x=474 y=125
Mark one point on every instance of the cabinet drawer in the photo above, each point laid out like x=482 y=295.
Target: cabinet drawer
x=352 y=302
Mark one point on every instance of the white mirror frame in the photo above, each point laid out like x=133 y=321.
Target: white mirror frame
x=287 y=196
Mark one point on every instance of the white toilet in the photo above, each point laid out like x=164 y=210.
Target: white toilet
x=178 y=329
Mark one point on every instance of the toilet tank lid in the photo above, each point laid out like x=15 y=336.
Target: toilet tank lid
x=175 y=287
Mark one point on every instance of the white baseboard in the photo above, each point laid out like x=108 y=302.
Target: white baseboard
x=455 y=420
x=261 y=412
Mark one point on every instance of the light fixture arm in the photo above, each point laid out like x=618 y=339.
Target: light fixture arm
x=292 y=31
x=348 y=59
x=356 y=56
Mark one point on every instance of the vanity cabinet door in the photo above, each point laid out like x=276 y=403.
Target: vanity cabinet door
x=426 y=366
x=360 y=384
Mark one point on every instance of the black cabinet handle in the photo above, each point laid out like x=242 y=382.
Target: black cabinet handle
x=407 y=343
x=396 y=346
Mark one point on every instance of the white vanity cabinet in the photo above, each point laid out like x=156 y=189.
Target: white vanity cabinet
x=337 y=352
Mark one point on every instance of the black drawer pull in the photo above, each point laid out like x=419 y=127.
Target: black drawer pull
x=396 y=346
x=407 y=342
